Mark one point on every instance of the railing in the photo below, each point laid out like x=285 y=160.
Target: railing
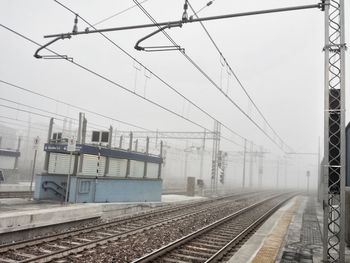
x=56 y=188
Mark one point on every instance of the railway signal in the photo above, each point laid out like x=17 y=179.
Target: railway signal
x=222 y=176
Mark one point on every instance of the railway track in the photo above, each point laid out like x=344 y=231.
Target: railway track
x=213 y=242
x=16 y=194
x=44 y=249
x=111 y=222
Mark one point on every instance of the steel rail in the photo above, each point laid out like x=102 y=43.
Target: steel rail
x=171 y=246
x=78 y=248
x=229 y=246
x=142 y=215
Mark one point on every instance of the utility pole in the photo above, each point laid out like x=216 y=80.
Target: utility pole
x=161 y=156
x=71 y=147
x=186 y=161
x=251 y=165
x=128 y=162
x=27 y=153
x=215 y=154
x=145 y=166
x=244 y=156
x=202 y=156
x=15 y=166
x=47 y=154
x=260 y=166
x=334 y=132
x=308 y=182
x=35 y=147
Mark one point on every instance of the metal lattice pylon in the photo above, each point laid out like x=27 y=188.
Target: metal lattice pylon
x=334 y=146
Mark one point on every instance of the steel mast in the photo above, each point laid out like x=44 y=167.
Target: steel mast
x=334 y=133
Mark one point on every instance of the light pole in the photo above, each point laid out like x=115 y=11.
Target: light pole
x=35 y=146
x=244 y=157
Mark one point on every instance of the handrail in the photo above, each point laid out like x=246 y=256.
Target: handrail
x=45 y=186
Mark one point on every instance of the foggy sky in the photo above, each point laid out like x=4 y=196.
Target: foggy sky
x=277 y=57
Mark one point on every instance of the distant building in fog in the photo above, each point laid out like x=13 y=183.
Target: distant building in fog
x=8 y=137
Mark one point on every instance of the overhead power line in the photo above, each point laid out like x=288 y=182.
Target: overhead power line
x=208 y=77
x=27 y=111
x=172 y=23
x=235 y=76
x=38 y=109
x=154 y=74
x=107 y=79
x=112 y=16
x=114 y=83
x=24 y=121
x=22 y=126
x=50 y=112
x=73 y=106
x=191 y=20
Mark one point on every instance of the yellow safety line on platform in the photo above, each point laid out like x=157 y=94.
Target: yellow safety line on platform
x=271 y=246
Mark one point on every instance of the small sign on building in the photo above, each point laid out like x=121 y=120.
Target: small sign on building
x=36 y=143
x=72 y=143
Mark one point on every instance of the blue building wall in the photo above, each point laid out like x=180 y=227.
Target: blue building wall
x=109 y=189
x=48 y=187
x=87 y=189
x=90 y=189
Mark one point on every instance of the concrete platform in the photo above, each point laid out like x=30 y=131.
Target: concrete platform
x=292 y=234
x=21 y=214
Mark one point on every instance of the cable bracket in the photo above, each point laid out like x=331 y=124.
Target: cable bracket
x=62 y=36
x=158 y=48
x=36 y=54
x=335 y=47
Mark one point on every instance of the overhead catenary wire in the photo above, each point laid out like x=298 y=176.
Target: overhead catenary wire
x=108 y=80
x=235 y=75
x=38 y=109
x=168 y=85
x=208 y=77
x=114 y=15
x=155 y=75
x=115 y=84
x=259 y=12
x=19 y=124
x=74 y=106
x=24 y=138
x=24 y=121
x=30 y=112
x=181 y=50
x=195 y=20
x=50 y=112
